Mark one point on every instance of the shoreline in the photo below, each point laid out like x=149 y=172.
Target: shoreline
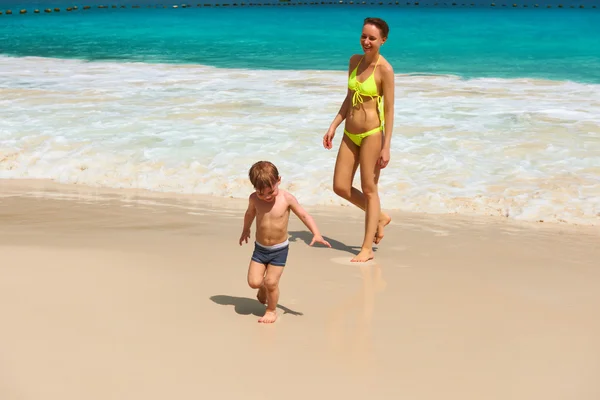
x=43 y=188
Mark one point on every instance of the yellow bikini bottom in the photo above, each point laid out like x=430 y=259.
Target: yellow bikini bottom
x=357 y=138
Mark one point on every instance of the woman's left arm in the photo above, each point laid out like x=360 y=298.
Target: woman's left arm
x=388 y=87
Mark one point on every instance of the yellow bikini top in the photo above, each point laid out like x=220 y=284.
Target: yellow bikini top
x=366 y=88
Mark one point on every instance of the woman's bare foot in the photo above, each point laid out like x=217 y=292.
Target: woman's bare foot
x=268 y=318
x=262 y=295
x=383 y=222
x=364 y=256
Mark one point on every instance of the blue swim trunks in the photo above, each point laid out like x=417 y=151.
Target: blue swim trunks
x=274 y=255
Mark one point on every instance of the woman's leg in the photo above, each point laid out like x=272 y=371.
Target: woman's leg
x=370 y=150
x=346 y=165
x=345 y=169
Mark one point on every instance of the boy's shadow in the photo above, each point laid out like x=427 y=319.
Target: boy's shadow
x=246 y=306
x=306 y=237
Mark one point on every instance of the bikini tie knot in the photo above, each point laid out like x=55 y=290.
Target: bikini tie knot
x=356 y=97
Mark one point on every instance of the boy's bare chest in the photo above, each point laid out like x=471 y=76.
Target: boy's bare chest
x=276 y=211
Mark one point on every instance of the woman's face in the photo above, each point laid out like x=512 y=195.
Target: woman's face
x=371 y=39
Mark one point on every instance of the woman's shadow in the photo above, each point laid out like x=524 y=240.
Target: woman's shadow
x=247 y=306
x=306 y=237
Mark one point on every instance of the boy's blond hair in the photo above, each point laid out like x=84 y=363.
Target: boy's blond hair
x=263 y=175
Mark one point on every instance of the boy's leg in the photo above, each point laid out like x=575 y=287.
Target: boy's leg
x=271 y=284
x=256 y=278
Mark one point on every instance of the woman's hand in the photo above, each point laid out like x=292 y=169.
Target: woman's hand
x=384 y=157
x=328 y=138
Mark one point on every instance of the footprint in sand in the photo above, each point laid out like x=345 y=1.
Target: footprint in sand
x=346 y=261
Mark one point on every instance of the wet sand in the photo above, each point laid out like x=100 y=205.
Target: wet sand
x=134 y=295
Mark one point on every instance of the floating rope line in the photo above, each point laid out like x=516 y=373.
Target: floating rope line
x=303 y=3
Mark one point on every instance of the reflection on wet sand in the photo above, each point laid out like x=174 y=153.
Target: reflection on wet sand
x=349 y=327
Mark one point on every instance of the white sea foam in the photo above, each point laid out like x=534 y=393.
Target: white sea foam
x=527 y=149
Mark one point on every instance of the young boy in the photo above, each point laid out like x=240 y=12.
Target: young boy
x=271 y=206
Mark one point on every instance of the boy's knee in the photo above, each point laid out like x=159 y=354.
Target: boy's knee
x=255 y=283
x=271 y=283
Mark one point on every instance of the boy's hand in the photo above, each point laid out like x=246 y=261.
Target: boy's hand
x=319 y=239
x=245 y=236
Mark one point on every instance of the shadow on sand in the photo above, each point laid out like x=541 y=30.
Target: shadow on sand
x=306 y=237
x=247 y=306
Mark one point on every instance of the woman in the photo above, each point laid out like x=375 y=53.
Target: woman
x=367 y=135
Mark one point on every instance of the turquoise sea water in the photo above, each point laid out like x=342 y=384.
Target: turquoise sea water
x=559 y=44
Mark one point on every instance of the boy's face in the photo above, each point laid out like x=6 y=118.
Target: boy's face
x=269 y=194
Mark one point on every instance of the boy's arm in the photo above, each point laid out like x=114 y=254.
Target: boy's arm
x=306 y=219
x=248 y=219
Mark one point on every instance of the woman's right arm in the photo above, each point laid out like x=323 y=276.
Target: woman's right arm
x=343 y=111
x=341 y=115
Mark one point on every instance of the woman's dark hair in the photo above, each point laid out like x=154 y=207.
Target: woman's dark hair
x=380 y=24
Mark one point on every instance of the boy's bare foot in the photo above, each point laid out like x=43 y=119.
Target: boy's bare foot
x=262 y=295
x=268 y=318
x=364 y=256
x=383 y=221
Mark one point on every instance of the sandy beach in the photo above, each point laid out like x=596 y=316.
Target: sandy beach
x=136 y=295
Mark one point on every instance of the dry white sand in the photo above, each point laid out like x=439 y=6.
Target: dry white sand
x=133 y=295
